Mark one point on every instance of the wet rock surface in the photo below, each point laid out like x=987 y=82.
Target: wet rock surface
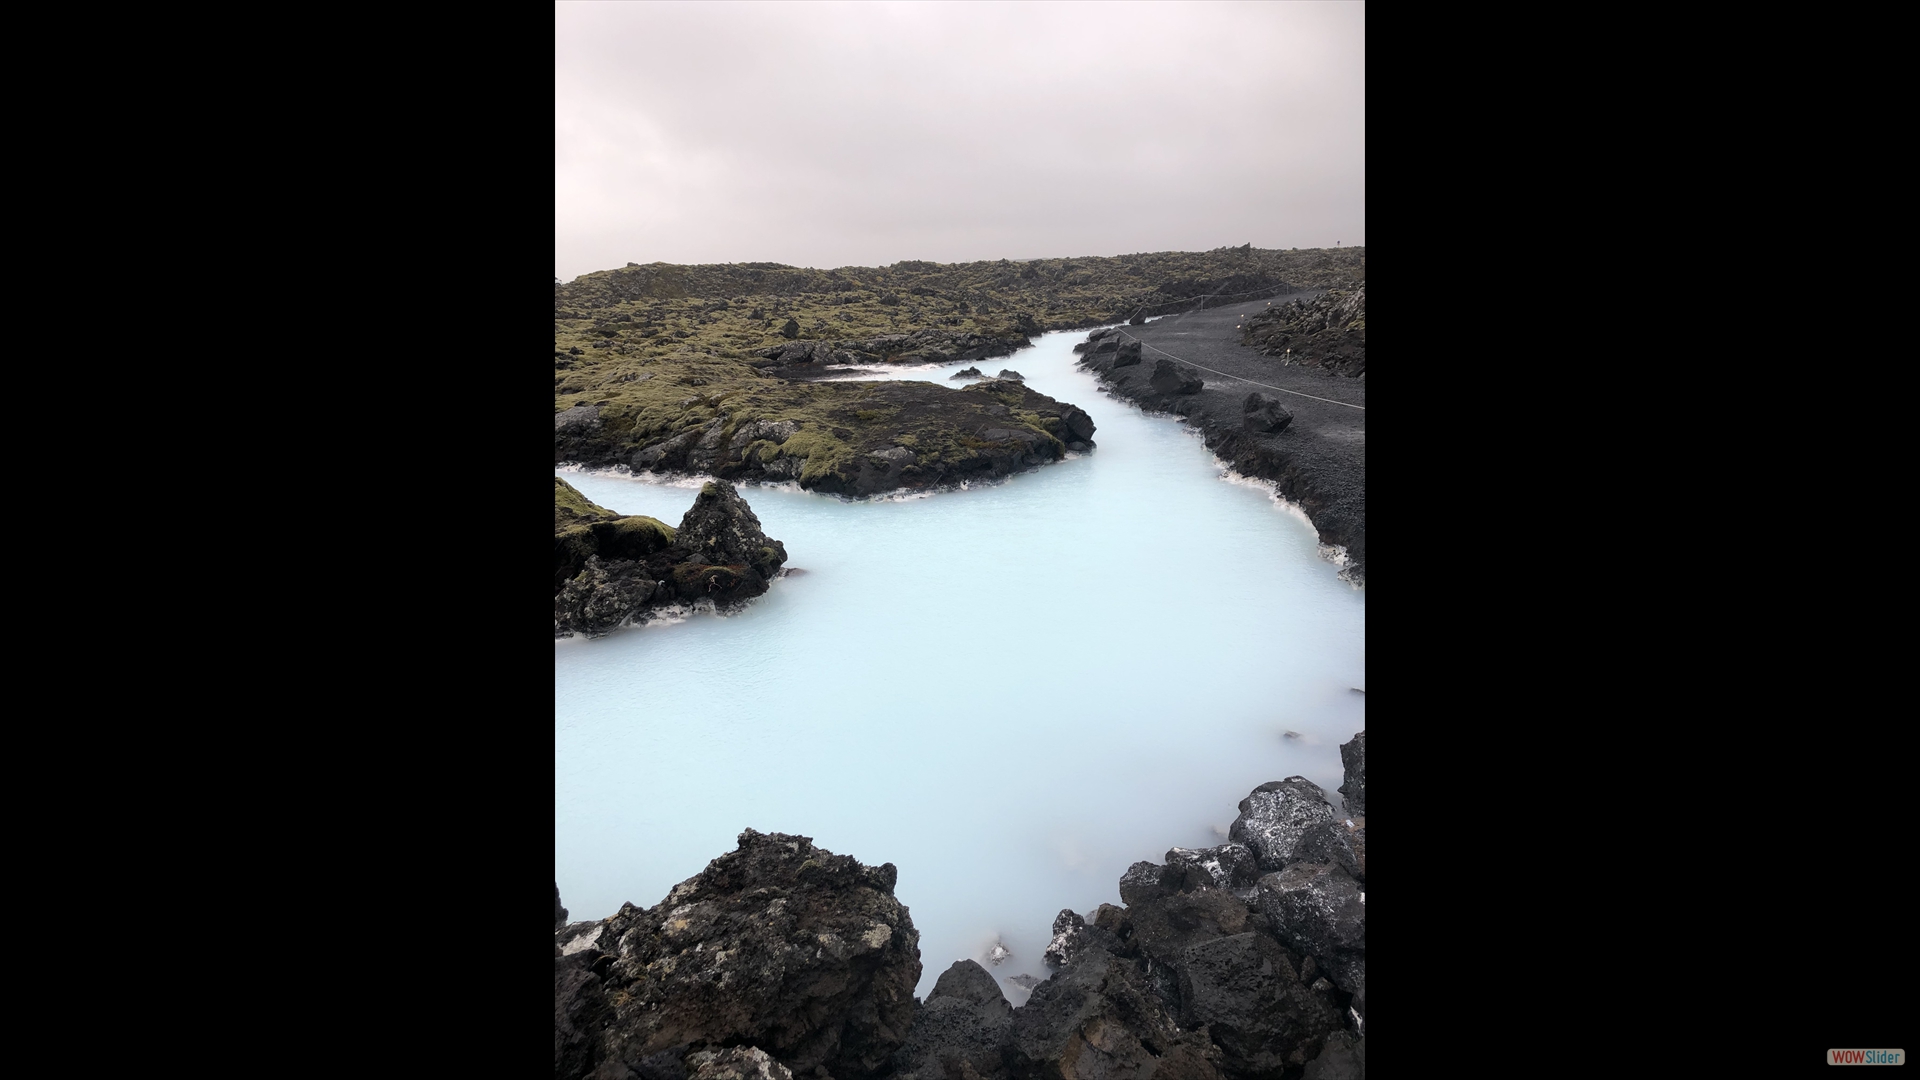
x=1300 y=434
x=784 y=960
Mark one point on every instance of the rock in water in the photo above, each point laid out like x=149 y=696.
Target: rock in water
x=720 y=551
x=778 y=945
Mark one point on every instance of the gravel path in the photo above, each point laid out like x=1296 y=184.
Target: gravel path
x=1319 y=461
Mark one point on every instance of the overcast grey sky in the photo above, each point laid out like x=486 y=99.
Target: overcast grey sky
x=862 y=134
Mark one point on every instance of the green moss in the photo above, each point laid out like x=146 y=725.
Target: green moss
x=571 y=508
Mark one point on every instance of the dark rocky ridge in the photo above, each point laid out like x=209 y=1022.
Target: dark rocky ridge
x=887 y=436
x=1267 y=419
x=1239 y=962
x=609 y=568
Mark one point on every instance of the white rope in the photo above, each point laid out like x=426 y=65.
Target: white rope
x=1211 y=296
x=1269 y=386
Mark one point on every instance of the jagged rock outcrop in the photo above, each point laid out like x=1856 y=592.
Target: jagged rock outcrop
x=777 y=945
x=958 y=1034
x=1099 y=1018
x=781 y=959
x=609 y=569
x=1328 y=332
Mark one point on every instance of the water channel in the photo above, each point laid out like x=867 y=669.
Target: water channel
x=1012 y=692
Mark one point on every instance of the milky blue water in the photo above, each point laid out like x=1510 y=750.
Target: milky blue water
x=1011 y=692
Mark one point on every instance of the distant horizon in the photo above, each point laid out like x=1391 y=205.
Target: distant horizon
x=937 y=262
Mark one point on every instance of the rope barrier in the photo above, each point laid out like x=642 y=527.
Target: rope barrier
x=1269 y=386
x=1214 y=295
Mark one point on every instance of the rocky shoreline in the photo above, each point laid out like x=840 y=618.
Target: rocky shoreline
x=1244 y=961
x=1266 y=415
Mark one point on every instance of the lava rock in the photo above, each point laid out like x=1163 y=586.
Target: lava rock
x=1098 y=1019
x=959 y=1033
x=779 y=945
x=1144 y=880
x=735 y=1063
x=721 y=531
x=579 y=1010
x=1079 y=424
x=580 y=416
x=968 y=373
x=1329 y=841
x=1353 y=758
x=1265 y=415
x=1225 y=866
x=559 y=911
x=1317 y=909
x=1166 y=926
x=1009 y=373
x=1342 y=1058
x=1248 y=992
x=1170 y=378
x=602 y=597
x=791 y=329
x=1073 y=938
x=1275 y=815
x=1126 y=354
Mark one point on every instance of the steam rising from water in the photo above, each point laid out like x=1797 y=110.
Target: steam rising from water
x=1011 y=692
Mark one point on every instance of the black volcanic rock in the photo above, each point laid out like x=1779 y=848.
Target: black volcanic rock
x=1247 y=990
x=1317 y=909
x=1224 y=866
x=958 y=1034
x=1330 y=842
x=1265 y=415
x=1170 y=378
x=734 y=1063
x=1073 y=938
x=1274 y=817
x=1098 y=1018
x=1353 y=756
x=778 y=945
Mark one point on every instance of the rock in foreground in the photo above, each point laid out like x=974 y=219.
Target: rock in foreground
x=777 y=945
